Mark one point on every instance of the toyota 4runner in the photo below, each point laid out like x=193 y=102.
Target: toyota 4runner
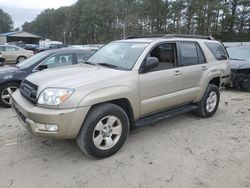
x=126 y=84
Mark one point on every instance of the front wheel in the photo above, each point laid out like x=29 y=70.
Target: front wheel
x=6 y=91
x=104 y=131
x=210 y=102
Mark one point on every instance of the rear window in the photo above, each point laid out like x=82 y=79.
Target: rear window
x=217 y=49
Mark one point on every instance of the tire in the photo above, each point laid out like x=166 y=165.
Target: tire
x=20 y=59
x=209 y=102
x=94 y=138
x=6 y=91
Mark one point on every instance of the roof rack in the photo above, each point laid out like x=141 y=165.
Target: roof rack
x=145 y=36
x=172 y=36
x=189 y=36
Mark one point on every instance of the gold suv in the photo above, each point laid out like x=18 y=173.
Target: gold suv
x=126 y=84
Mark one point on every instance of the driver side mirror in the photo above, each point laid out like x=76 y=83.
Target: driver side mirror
x=151 y=62
x=42 y=67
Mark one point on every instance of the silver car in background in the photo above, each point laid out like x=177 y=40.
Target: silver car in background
x=14 y=54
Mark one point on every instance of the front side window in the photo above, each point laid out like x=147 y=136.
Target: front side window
x=166 y=53
x=59 y=60
x=217 y=49
x=122 y=55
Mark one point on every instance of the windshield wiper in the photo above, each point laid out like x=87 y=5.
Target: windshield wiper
x=89 y=63
x=107 y=65
x=237 y=59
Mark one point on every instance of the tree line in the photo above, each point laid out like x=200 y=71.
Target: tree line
x=6 y=22
x=95 y=21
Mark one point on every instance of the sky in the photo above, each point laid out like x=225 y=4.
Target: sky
x=27 y=10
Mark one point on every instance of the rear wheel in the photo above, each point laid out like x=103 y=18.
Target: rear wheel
x=104 y=131
x=20 y=59
x=210 y=102
x=5 y=93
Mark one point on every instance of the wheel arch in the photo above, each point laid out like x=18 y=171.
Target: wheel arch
x=20 y=57
x=11 y=81
x=123 y=103
x=215 y=80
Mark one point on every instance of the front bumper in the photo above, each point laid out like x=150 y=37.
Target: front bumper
x=69 y=121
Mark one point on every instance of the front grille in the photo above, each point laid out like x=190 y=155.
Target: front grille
x=29 y=91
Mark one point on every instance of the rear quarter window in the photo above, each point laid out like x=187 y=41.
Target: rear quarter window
x=217 y=49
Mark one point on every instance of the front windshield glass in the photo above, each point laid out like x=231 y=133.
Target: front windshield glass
x=32 y=60
x=122 y=55
x=241 y=53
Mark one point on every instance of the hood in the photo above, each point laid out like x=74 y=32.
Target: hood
x=239 y=64
x=73 y=76
x=8 y=69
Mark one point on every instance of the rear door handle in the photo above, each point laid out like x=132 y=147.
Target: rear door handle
x=204 y=68
x=176 y=73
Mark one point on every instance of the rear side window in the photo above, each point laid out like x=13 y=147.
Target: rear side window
x=189 y=54
x=217 y=49
x=1 y=48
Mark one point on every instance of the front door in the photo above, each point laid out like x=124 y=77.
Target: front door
x=160 y=87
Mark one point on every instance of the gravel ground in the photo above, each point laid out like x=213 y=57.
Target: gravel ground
x=183 y=151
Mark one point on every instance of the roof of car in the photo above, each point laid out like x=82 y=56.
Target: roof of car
x=240 y=47
x=67 y=49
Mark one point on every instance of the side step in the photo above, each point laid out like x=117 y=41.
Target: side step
x=151 y=119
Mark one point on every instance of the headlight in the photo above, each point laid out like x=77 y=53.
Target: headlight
x=54 y=96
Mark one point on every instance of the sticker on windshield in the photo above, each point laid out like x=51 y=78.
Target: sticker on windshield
x=139 y=46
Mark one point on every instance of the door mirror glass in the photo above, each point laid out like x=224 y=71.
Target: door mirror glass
x=151 y=62
x=42 y=67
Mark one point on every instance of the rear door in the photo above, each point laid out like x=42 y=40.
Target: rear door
x=192 y=66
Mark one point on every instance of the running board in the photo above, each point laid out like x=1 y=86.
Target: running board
x=151 y=119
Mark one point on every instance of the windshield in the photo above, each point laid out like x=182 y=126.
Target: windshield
x=32 y=60
x=122 y=55
x=241 y=53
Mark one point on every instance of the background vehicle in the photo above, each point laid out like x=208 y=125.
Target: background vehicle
x=2 y=60
x=32 y=47
x=12 y=76
x=14 y=54
x=126 y=84
x=239 y=59
x=20 y=44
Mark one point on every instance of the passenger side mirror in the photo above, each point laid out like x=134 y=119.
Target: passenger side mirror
x=150 y=63
x=42 y=67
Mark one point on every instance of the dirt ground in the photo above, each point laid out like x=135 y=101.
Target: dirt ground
x=183 y=151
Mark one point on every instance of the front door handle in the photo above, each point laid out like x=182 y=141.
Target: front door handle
x=176 y=73
x=204 y=68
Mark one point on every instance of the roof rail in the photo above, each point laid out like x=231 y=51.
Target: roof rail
x=189 y=36
x=172 y=36
x=146 y=36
